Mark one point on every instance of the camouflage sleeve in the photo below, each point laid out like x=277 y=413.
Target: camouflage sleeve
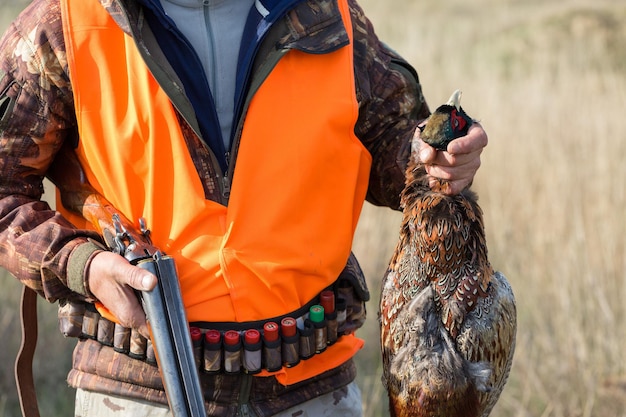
x=37 y=245
x=391 y=105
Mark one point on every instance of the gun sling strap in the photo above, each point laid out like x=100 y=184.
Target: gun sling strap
x=24 y=361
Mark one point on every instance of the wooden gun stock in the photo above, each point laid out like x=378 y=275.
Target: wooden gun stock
x=163 y=305
x=78 y=195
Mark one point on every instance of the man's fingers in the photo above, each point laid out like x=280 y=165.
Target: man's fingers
x=139 y=279
x=113 y=281
x=130 y=314
x=453 y=170
x=475 y=140
x=449 y=166
x=456 y=171
x=427 y=153
x=135 y=277
x=455 y=187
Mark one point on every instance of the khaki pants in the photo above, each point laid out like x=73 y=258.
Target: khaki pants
x=345 y=402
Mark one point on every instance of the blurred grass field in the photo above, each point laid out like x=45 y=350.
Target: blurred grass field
x=547 y=79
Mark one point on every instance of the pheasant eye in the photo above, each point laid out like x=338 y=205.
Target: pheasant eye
x=457 y=121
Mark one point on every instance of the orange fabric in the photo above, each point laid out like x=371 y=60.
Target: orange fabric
x=335 y=355
x=297 y=191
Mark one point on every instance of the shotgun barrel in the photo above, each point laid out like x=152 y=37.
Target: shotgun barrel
x=163 y=305
x=168 y=325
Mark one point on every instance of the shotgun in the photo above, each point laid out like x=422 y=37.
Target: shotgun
x=163 y=305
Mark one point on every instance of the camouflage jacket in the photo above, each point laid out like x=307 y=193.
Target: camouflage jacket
x=47 y=253
x=37 y=115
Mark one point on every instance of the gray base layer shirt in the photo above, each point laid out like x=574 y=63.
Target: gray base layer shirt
x=214 y=28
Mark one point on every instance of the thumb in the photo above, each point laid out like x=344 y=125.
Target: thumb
x=426 y=153
x=420 y=150
x=137 y=278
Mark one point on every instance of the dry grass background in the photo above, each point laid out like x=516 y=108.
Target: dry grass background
x=547 y=78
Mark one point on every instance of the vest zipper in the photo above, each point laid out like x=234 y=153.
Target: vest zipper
x=259 y=77
x=212 y=64
x=175 y=94
x=226 y=179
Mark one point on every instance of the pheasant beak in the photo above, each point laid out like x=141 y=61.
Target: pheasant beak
x=455 y=100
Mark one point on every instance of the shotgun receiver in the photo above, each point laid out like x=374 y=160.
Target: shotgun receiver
x=163 y=305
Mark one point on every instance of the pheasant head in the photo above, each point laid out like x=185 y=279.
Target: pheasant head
x=448 y=122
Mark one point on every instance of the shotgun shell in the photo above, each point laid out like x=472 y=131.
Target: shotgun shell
x=150 y=355
x=288 y=327
x=196 y=342
x=106 y=331
x=90 y=322
x=212 y=351
x=345 y=291
x=270 y=331
x=71 y=318
x=290 y=342
x=252 y=351
x=307 y=340
x=121 y=339
x=316 y=316
x=272 y=347
x=327 y=300
x=232 y=352
x=342 y=315
x=138 y=345
x=332 y=328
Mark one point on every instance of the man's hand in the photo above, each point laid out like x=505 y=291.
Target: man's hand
x=112 y=280
x=458 y=164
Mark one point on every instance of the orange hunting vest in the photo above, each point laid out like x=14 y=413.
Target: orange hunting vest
x=298 y=186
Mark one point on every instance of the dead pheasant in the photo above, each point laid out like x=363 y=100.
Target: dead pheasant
x=448 y=321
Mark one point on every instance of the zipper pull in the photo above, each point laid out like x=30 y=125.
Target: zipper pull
x=225 y=186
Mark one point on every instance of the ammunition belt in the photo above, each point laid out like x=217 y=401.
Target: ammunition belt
x=82 y=320
x=230 y=348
